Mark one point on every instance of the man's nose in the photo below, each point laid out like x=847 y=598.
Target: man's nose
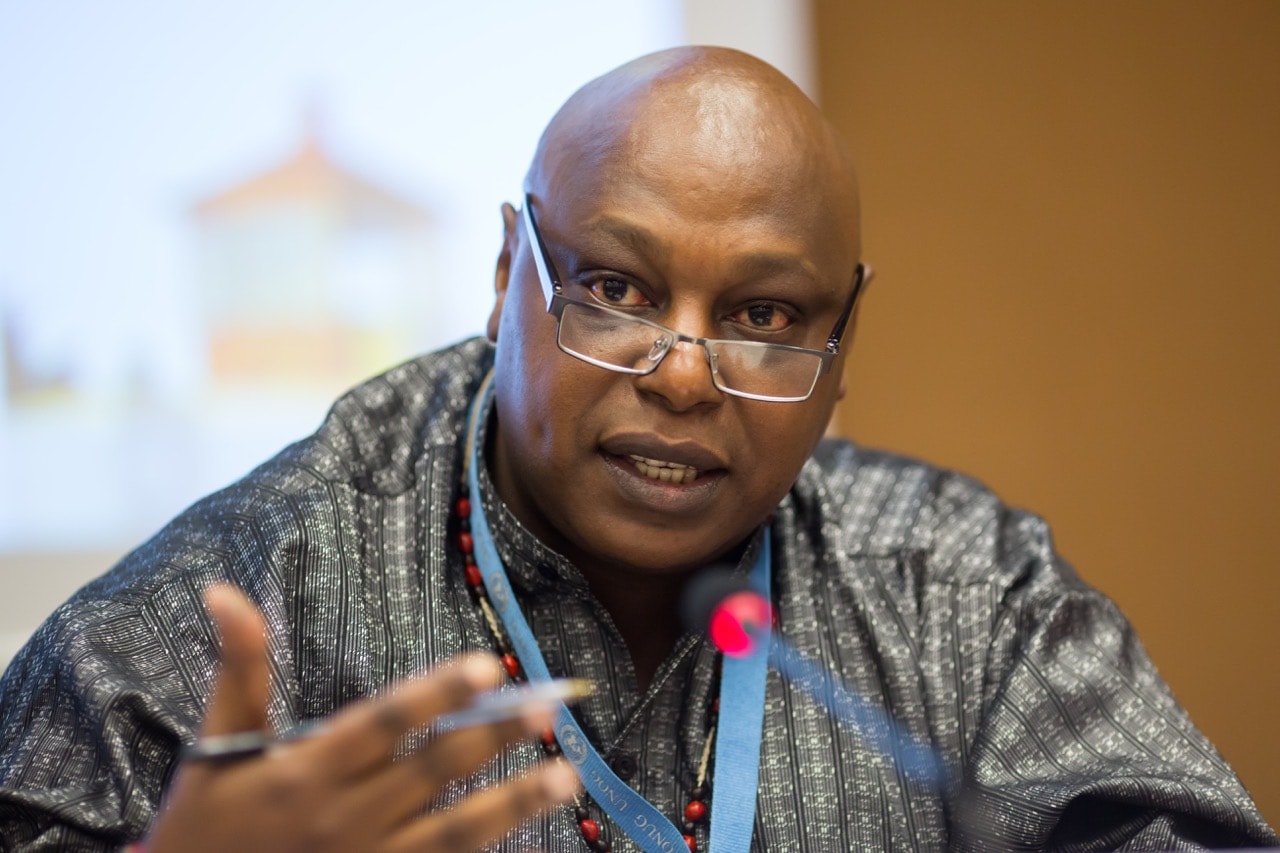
x=682 y=380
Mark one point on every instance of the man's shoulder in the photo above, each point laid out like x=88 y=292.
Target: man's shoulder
x=375 y=433
x=948 y=525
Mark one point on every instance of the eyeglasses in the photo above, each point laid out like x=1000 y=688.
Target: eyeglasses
x=616 y=340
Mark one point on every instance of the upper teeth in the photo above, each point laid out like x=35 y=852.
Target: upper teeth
x=668 y=472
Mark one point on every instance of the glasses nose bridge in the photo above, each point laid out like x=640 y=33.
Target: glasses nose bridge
x=676 y=339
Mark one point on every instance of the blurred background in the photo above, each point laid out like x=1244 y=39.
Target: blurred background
x=216 y=217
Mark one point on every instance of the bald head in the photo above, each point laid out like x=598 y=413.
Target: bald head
x=702 y=121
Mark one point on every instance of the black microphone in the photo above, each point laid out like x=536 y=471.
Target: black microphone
x=738 y=621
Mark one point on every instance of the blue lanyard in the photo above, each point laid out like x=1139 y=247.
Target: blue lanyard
x=742 y=683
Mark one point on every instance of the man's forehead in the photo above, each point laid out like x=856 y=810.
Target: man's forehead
x=705 y=123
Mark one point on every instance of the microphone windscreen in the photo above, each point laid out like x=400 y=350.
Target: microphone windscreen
x=704 y=593
x=725 y=608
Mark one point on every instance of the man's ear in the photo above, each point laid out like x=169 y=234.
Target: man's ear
x=502 y=275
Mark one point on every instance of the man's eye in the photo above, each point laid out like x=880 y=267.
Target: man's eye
x=765 y=317
x=615 y=291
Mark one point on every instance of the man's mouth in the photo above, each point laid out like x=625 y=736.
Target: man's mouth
x=667 y=472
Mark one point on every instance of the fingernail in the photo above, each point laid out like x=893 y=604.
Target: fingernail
x=480 y=670
x=223 y=605
x=560 y=781
x=218 y=595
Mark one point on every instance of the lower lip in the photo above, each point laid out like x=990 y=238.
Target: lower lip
x=658 y=495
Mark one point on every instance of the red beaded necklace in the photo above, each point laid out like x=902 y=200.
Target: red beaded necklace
x=695 y=812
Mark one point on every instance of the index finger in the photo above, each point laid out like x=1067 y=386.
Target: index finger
x=366 y=734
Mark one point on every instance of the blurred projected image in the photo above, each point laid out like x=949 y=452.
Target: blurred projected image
x=217 y=218
x=300 y=279
x=308 y=274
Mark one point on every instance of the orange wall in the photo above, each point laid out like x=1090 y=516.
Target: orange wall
x=1073 y=207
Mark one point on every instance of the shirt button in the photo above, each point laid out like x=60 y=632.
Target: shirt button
x=624 y=765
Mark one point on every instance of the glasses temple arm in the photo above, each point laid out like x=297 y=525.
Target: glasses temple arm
x=547 y=276
x=837 y=334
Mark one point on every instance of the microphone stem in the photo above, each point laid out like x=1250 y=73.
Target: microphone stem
x=918 y=761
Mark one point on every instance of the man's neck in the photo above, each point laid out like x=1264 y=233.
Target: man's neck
x=645 y=609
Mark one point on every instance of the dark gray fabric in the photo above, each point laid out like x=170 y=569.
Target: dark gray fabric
x=916 y=586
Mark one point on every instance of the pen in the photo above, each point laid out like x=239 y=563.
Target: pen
x=507 y=704
x=490 y=707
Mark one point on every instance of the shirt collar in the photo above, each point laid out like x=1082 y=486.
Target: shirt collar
x=531 y=565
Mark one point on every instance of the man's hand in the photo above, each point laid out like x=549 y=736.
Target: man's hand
x=338 y=788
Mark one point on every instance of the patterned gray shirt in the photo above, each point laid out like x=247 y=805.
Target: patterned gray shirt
x=913 y=585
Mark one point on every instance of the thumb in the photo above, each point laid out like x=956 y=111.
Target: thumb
x=239 y=701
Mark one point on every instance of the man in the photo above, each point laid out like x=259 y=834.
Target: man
x=675 y=301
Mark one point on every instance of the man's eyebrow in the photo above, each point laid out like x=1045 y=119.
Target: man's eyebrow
x=761 y=263
x=635 y=237
x=766 y=264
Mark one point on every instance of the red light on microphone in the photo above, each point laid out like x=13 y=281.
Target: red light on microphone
x=739 y=622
